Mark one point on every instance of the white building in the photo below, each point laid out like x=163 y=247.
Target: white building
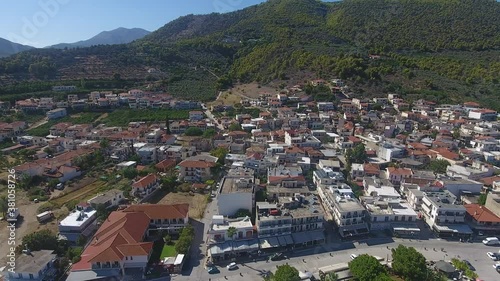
x=237 y=191
x=218 y=231
x=56 y=113
x=444 y=214
x=81 y=222
x=483 y=114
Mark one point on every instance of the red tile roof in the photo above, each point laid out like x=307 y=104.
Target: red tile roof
x=399 y=171
x=196 y=164
x=119 y=229
x=481 y=213
x=145 y=181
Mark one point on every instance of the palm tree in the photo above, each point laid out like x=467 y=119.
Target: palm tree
x=231 y=231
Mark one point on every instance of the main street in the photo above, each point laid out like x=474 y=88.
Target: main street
x=332 y=252
x=313 y=258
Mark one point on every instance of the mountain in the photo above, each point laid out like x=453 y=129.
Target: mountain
x=442 y=50
x=116 y=36
x=8 y=48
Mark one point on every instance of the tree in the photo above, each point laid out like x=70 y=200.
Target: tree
x=209 y=133
x=167 y=239
x=186 y=237
x=220 y=153
x=439 y=166
x=482 y=199
x=235 y=127
x=231 y=231
x=169 y=183
x=104 y=144
x=461 y=265
x=193 y=131
x=53 y=183
x=285 y=273
x=130 y=173
x=4 y=205
x=366 y=268
x=409 y=264
x=81 y=241
x=40 y=240
x=242 y=213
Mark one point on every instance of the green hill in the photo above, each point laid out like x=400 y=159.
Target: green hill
x=446 y=50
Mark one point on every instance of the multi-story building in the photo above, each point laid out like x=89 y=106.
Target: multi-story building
x=347 y=212
x=81 y=222
x=237 y=192
x=444 y=214
x=195 y=170
x=56 y=113
x=145 y=186
x=218 y=231
x=296 y=220
x=483 y=114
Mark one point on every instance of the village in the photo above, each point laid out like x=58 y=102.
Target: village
x=255 y=179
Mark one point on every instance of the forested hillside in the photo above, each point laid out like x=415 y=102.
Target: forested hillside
x=446 y=50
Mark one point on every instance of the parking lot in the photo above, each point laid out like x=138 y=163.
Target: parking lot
x=333 y=253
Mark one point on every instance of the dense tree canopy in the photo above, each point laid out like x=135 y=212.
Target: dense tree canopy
x=367 y=268
x=285 y=273
x=409 y=263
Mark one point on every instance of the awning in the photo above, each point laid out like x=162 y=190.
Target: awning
x=289 y=240
x=270 y=242
x=282 y=241
x=304 y=237
x=220 y=249
x=454 y=228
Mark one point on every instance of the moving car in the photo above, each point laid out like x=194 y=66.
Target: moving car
x=232 y=266
x=353 y=256
x=213 y=270
x=492 y=255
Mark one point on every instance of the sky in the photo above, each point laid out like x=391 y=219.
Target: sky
x=42 y=23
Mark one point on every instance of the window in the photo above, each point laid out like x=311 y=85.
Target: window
x=31 y=276
x=131 y=258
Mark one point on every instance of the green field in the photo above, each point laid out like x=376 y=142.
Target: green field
x=168 y=251
x=122 y=117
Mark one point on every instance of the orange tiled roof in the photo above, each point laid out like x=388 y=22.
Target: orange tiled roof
x=481 y=213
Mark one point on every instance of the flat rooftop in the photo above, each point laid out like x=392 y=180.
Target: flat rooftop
x=245 y=223
x=236 y=185
x=78 y=218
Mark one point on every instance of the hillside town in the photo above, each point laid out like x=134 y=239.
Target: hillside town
x=281 y=176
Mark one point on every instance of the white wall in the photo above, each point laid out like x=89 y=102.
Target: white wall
x=230 y=203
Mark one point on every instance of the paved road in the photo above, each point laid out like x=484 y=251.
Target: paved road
x=314 y=258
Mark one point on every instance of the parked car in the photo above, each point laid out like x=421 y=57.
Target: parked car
x=232 y=266
x=353 y=256
x=497 y=267
x=213 y=270
x=492 y=255
x=471 y=267
x=277 y=257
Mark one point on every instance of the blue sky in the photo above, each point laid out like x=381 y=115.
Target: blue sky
x=42 y=23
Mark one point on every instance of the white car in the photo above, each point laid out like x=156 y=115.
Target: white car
x=232 y=266
x=492 y=256
x=353 y=256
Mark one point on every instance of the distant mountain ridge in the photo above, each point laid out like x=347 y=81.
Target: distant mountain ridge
x=8 y=48
x=116 y=36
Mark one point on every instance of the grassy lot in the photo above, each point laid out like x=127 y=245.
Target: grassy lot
x=122 y=117
x=168 y=251
x=79 y=194
x=197 y=202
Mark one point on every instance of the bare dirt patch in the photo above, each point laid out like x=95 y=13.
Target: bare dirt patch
x=197 y=202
